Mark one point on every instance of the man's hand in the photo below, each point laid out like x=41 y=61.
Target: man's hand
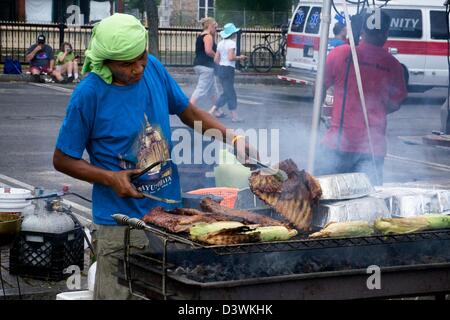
x=39 y=47
x=120 y=182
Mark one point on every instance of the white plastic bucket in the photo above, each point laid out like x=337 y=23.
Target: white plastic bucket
x=13 y=199
x=91 y=276
x=76 y=295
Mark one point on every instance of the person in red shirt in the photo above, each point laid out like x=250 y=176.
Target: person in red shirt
x=346 y=143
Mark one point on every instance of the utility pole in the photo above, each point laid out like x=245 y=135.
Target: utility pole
x=151 y=8
x=319 y=88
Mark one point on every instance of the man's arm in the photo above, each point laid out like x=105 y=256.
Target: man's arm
x=52 y=64
x=241 y=146
x=394 y=107
x=80 y=169
x=398 y=91
x=33 y=52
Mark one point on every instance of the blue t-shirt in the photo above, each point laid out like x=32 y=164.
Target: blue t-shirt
x=125 y=127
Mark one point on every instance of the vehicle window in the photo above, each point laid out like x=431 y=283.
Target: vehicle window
x=313 y=24
x=299 y=19
x=405 y=23
x=439 y=25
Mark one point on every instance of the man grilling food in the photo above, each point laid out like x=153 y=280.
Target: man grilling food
x=119 y=114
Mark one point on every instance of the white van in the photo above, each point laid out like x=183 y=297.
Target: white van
x=417 y=38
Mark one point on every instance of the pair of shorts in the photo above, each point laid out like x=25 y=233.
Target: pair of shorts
x=108 y=241
x=40 y=69
x=206 y=85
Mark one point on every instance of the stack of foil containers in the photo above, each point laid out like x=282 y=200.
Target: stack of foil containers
x=351 y=197
x=410 y=202
x=348 y=197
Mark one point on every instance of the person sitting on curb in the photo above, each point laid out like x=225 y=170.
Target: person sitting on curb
x=67 y=62
x=40 y=57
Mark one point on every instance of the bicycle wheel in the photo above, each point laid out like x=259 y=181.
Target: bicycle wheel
x=262 y=59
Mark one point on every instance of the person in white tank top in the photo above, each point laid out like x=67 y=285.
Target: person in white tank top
x=226 y=59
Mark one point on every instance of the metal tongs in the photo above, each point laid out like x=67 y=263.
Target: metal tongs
x=136 y=176
x=278 y=173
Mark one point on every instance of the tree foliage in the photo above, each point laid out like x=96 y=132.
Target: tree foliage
x=259 y=5
x=138 y=4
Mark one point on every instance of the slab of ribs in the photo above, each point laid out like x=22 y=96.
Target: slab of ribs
x=181 y=219
x=292 y=198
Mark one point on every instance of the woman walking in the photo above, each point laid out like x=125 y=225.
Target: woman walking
x=205 y=50
x=226 y=59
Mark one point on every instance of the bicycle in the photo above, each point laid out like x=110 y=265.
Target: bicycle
x=263 y=56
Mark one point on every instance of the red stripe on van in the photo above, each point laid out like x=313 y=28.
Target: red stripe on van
x=298 y=41
x=419 y=47
x=429 y=48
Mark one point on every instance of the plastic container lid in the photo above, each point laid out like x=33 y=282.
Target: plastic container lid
x=14 y=193
x=13 y=199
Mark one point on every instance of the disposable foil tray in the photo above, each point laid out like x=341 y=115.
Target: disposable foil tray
x=409 y=202
x=367 y=209
x=345 y=186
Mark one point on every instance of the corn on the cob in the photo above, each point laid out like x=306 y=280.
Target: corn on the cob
x=344 y=229
x=413 y=224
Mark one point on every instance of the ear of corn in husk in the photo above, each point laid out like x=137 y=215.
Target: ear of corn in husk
x=224 y=232
x=201 y=229
x=344 y=229
x=413 y=224
x=274 y=233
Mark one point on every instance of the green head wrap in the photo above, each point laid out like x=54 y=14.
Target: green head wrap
x=119 y=37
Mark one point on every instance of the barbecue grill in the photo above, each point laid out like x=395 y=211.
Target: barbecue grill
x=178 y=268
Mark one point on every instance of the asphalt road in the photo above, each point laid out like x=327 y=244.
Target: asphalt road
x=30 y=118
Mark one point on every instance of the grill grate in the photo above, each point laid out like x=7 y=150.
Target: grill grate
x=304 y=243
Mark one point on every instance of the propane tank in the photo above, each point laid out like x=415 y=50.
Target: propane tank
x=48 y=217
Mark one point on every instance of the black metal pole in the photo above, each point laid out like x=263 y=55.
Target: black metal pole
x=238 y=49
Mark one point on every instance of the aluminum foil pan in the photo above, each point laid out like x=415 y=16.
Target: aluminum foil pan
x=366 y=209
x=345 y=186
x=410 y=202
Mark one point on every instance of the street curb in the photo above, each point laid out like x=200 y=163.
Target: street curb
x=185 y=78
x=15 y=77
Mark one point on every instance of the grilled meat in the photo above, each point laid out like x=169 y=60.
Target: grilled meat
x=215 y=208
x=175 y=222
x=293 y=198
x=230 y=236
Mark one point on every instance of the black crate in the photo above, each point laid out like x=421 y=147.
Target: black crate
x=45 y=255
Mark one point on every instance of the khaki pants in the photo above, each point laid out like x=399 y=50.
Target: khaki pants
x=107 y=241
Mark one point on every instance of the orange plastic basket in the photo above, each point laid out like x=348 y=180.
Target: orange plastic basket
x=229 y=195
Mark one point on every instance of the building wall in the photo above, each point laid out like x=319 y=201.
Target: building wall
x=184 y=12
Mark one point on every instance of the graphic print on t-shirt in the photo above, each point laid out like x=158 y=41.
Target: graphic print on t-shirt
x=150 y=147
x=42 y=55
